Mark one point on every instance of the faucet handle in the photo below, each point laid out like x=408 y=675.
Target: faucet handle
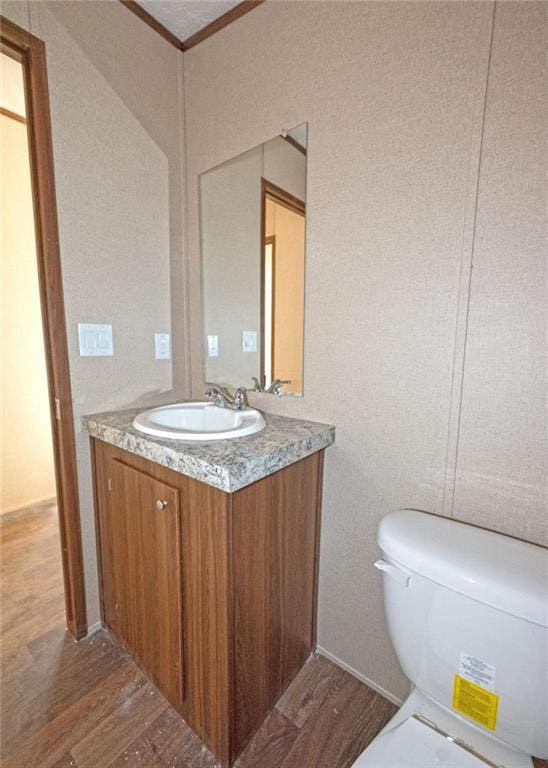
x=276 y=387
x=219 y=394
x=257 y=387
x=211 y=391
x=223 y=398
x=212 y=388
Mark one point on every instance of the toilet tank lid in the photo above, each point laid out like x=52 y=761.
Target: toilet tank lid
x=502 y=572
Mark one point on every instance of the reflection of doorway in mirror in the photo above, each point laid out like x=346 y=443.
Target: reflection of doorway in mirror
x=282 y=288
x=268 y=308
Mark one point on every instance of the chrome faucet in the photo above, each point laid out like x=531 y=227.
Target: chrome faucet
x=274 y=389
x=222 y=397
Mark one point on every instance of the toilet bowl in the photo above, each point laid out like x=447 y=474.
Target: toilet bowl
x=467 y=611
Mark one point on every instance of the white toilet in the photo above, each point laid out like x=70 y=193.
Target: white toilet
x=467 y=611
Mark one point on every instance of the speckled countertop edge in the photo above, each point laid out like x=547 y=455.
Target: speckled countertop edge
x=225 y=464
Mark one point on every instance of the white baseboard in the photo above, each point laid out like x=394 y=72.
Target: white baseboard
x=359 y=676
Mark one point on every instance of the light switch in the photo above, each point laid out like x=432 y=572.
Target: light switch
x=213 y=346
x=161 y=346
x=249 y=341
x=95 y=340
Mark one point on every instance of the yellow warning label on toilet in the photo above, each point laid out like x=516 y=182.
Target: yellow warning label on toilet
x=475 y=702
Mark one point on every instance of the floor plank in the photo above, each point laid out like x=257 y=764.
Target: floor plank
x=168 y=741
x=177 y=745
x=271 y=744
x=314 y=688
x=86 y=704
x=341 y=728
x=60 y=674
x=114 y=733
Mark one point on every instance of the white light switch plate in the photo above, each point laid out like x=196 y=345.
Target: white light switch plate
x=213 y=346
x=161 y=346
x=249 y=341
x=95 y=340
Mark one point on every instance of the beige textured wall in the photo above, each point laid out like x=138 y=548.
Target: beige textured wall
x=27 y=474
x=394 y=95
x=117 y=138
x=502 y=463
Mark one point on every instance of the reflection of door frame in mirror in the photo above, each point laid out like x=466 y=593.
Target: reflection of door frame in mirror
x=30 y=51
x=282 y=197
x=272 y=242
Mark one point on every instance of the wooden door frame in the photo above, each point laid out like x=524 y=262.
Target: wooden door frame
x=31 y=52
x=272 y=191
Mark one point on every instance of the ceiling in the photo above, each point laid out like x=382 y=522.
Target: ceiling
x=186 y=17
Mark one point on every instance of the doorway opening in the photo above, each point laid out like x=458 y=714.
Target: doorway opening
x=28 y=473
x=37 y=443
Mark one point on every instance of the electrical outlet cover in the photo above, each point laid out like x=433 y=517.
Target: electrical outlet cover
x=212 y=346
x=161 y=346
x=249 y=341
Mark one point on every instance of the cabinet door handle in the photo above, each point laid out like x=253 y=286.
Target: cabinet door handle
x=160 y=505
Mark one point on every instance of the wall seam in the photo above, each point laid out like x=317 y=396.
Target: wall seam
x=185 y=241
x=463 y=313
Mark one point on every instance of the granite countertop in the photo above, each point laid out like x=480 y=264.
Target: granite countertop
x=225 y=464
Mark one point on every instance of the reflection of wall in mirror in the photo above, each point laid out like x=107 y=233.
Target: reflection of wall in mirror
x=231 y=231
x=288 y=229
x=285 y=166
x=230 y=202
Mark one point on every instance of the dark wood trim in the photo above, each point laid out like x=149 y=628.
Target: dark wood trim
x=24 y=47
x=13 y=115
x=283 y=197
x=202 y=34
x=223 y=21
x=145 y=16
x=299 y=147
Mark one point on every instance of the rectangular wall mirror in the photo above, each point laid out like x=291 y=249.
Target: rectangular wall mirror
x=252 y=217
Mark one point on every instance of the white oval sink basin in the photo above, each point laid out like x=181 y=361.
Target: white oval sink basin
x=199 y=421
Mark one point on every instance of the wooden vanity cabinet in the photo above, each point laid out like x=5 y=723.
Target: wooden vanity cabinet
x=213 y=594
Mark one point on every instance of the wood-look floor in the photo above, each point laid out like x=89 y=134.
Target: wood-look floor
x=86 y=705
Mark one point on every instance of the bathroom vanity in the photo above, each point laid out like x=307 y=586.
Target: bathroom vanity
x=208 y=558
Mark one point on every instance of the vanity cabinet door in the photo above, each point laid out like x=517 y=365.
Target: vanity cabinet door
x=144 y=606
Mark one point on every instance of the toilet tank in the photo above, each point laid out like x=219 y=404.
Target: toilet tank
x=467 y=611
